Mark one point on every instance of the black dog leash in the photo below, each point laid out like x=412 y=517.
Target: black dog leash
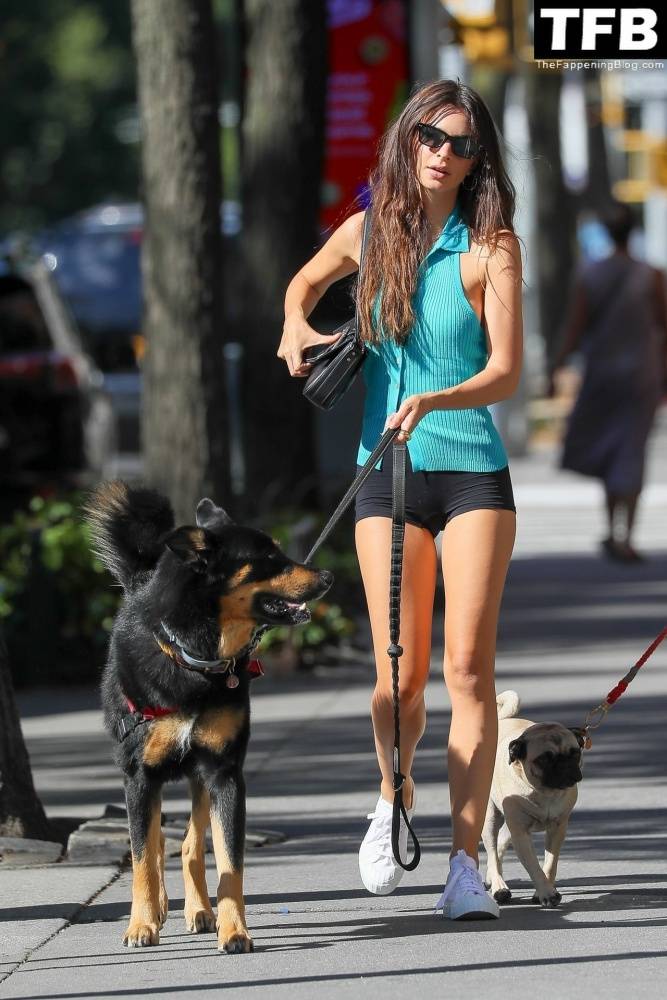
x=358 y=482
x=394 y=650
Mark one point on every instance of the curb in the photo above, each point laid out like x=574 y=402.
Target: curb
x=107 y=840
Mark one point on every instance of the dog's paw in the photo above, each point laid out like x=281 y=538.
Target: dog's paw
x=140 y=935
x=549 y=899
x=199 y=921
x=238 y=943
x=502 y=896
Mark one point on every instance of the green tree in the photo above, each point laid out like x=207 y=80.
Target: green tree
x=68 y=125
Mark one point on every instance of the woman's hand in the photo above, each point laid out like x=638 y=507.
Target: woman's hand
x=409 y=414
x=297 y=336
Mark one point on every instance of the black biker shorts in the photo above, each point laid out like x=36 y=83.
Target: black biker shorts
x=434 y=498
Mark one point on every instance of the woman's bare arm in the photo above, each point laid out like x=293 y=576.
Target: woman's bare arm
x=338 y=258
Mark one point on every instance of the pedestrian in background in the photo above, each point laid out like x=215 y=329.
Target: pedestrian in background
x=618 y=323
x=440 y=311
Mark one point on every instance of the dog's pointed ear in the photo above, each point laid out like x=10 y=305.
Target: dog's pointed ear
x=517 y=750
x=580 y=735
x=211 y=516
x=191 y=545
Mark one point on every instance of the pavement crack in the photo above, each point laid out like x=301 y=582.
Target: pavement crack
x=74 y=919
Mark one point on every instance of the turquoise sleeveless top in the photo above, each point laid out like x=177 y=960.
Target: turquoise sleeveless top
x=445 y=346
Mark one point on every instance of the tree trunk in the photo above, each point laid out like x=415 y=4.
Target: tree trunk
x=283 y=143
x=555 y=229
x=21 y=812
x=491 y=84
x=183 y=411
x=597 y=194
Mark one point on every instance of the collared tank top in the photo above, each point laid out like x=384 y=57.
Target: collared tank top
x=445 y=346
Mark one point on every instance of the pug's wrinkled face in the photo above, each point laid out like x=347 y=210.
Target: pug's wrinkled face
x=549 y=754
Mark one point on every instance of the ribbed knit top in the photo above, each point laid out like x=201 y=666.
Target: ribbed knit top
x=445 y=346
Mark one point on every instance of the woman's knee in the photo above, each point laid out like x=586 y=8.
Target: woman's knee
x=469 y=676
x=410 y=692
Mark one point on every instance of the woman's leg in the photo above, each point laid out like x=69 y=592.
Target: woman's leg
x=611 y=502
x=373 y=540
x=631 y=501
x=476 y=550
x=621 y=544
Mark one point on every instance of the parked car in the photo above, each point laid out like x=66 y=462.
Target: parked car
x=94 y=257
x=56 y=418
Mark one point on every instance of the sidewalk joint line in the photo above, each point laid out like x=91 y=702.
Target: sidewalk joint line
x=68 y=923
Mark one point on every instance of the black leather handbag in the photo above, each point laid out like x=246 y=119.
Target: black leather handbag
x=336 y=365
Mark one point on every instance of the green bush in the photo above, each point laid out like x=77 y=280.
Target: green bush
x=57 y=601
x=329 y=625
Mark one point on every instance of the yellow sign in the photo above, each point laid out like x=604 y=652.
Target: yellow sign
x=485 y=44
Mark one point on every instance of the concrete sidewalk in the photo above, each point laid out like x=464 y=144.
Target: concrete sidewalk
x=571 y=625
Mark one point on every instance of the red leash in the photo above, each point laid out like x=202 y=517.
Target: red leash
x=616 y=692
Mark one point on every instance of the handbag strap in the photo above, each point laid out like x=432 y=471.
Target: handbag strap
x=351 y=493
x=395 y=651
x=362 y=253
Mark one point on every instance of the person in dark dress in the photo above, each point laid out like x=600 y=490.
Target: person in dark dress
x=618 y=323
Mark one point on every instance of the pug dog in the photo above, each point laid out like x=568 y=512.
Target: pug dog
x=534 y=787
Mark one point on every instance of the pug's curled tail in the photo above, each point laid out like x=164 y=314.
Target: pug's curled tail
x=128 y=525
x=508 y=703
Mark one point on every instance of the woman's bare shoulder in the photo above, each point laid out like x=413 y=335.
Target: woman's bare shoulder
x=338 y=257
x=500 y=253
x=348 y=236
x=505 y=241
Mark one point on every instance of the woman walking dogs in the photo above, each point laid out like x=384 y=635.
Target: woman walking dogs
x=440 y=310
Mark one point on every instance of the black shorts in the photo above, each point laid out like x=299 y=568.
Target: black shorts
x=434 y=498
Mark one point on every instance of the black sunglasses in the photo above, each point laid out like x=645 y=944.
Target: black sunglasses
x=462 y=145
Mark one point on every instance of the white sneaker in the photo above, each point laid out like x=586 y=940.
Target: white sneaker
x=377 y=867
x=464 y=896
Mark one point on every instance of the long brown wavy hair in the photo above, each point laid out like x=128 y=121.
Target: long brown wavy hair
x=399 y=236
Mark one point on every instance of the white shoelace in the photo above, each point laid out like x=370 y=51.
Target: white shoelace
x=463 y=876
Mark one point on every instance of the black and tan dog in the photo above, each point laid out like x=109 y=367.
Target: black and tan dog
x=175 y=688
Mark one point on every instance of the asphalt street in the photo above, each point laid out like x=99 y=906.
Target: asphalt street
x=572 y=624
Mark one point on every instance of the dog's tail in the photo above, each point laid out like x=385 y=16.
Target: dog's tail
x=508 y=704
x=127 y=526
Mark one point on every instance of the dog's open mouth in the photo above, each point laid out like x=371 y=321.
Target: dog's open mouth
x=280 y=611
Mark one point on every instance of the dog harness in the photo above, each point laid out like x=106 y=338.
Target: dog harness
x=137 y=716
